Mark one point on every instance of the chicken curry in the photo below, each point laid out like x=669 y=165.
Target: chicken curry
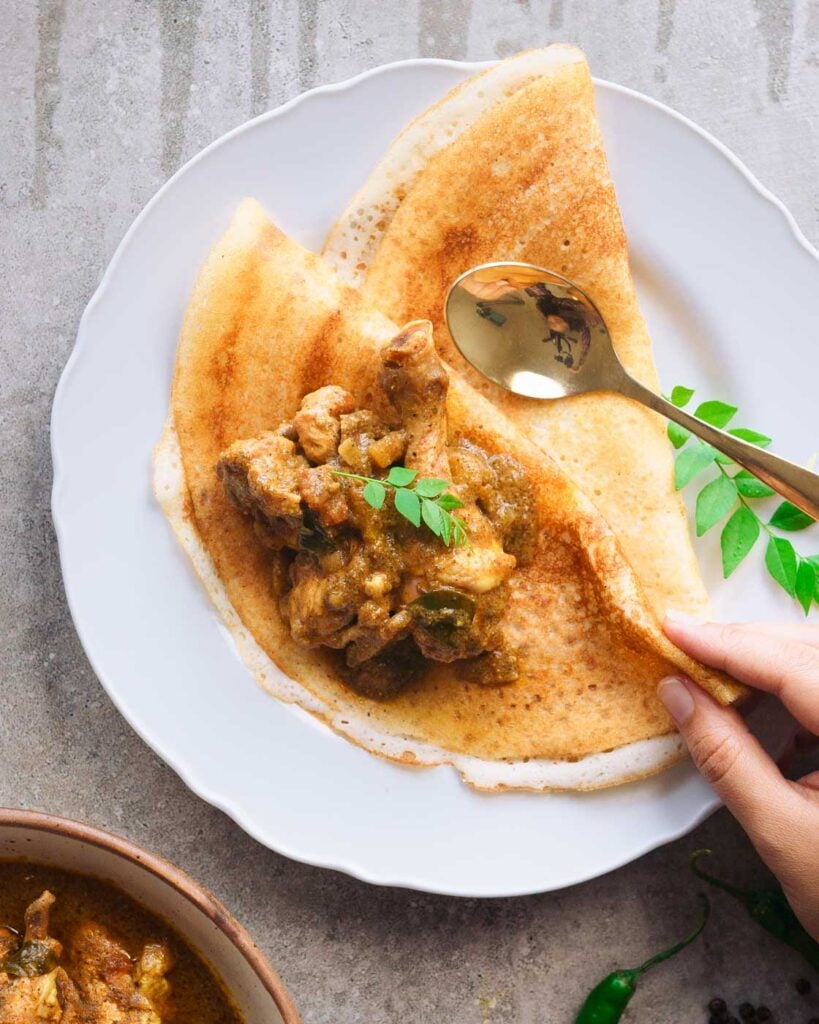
x=390 y=594
x=76 y=950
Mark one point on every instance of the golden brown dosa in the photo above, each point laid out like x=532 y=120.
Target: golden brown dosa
x=267 y=322
x=511 y=166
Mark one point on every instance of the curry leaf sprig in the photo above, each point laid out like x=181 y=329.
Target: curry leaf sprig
x=732 y=491
x=427 y=500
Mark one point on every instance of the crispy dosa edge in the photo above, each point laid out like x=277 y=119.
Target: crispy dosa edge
x=525 y=177
x=250 y=239
x=352 y=243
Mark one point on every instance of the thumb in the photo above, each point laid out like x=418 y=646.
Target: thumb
x=735 y=765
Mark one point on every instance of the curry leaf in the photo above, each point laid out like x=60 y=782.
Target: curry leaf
x=408 y=504
x=780 y=558
x=760 y=440
x=714 y=502
x=400 y=476
x=788 y=517
x=374 y=493
x=691 y=461
x=806 y=583
x=738 y=537
x=449 y=501
x=459 y=532
x=432 y=516
x=430 y=487
x=718 y=414
x=752 y=436
x=446 y=527
x=677 y=435
x=749 y=487
x=681 y=396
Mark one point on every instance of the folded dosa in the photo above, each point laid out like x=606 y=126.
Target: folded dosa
x=511 y=165
x=268 y=322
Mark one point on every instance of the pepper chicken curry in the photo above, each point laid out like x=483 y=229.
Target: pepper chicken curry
x=365 y=580
x=76 y=950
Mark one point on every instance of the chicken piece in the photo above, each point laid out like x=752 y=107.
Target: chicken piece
x=417 y=383
x=108 y=986
x=150 y=976
x=32 y=1000
x=28 y=970
x=477 y=568
x=322 y=493
x=367 y=639
x=104 y=985
x=359 y=431
x=317 y=421
x=388 y=449
x=324 y=597
x=261 y=477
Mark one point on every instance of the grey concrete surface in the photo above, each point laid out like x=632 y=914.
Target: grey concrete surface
x=100 y=100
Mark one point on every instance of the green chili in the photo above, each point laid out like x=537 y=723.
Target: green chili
x=607 y=1001
x=770 y=909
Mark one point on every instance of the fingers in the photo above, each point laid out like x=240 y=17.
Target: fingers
x=802 y=632
x=734 y=764
x=769 y=660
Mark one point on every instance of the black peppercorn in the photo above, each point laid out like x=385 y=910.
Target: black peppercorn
x=747 y=1012
x=802 y=986
x=763 y=1013
x=717 y=1006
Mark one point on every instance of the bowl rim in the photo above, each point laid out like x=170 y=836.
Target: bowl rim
x=192 y=891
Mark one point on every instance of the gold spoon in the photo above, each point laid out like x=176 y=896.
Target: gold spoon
x=537 y=334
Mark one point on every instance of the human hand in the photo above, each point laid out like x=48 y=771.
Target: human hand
x=781 y=817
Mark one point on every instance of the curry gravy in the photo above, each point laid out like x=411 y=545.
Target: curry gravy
x=197 y=995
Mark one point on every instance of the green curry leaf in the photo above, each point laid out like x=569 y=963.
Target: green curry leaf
x=738 y=537
x=400 y=476
x=749 y=487
x=714 y=502
x=409 y=505
x=681 y=396
x=789 y=518
x=374 y=493
x=692 y=461
x=780 y=558
x=426 y=499
x=806 y=584
x=797 y=575
x=718 y=414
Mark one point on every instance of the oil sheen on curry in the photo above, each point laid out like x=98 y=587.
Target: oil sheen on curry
x=391 y=581
x=76 y=950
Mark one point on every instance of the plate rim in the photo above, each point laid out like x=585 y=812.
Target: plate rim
x=187 y=772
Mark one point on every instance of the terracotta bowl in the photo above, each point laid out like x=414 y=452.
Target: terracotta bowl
x=160 y=887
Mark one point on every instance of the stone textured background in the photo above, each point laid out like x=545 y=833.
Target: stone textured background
x=99 y=103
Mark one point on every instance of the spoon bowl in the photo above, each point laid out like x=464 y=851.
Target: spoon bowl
x=537 y=334
x=530 y=330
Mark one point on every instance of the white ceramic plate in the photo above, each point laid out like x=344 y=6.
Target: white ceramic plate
x=717 y=262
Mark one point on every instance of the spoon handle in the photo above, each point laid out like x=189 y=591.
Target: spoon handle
x=799 y=485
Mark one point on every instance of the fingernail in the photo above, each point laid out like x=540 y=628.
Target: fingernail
x=683 y=618
x=677 y=699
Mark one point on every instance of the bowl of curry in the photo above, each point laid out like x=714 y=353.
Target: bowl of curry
x=95 y=929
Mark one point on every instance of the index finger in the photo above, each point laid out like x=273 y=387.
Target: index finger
x=785 y=667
